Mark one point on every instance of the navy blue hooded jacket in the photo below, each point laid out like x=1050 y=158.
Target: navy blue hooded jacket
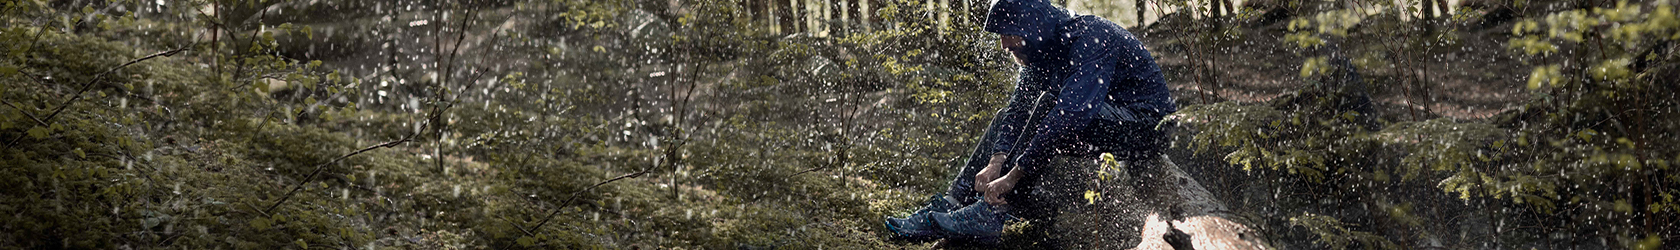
x=1095 y=69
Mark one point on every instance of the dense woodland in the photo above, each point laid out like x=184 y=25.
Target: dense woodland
x=800 y=124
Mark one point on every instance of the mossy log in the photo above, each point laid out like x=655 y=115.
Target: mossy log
x=1148 y=204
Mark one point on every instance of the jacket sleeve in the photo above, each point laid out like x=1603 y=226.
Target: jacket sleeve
x=1078 y=102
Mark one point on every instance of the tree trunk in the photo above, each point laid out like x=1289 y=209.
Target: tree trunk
x=1191 y=209
x=1150 y=203
x=1142 y=6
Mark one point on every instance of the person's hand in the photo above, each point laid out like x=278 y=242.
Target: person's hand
x=990 y=173
x=994 y=191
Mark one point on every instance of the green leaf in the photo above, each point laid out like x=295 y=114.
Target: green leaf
x=526 y=241
x=309 y=100
x=302 y=244
x=1623 y=206
x=39 y=132
x=261 y=86
x=1649 y=243
x=79 y=153
x=8 y=71
x=261 y=224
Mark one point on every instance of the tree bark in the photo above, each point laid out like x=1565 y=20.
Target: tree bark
x=1149 y=204
x=1191 y=209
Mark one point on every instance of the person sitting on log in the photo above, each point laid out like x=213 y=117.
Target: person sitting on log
x=1086 y=87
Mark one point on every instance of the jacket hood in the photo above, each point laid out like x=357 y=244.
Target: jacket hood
x=1036 y=21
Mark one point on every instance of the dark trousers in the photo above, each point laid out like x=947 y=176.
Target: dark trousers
x=1037 y=194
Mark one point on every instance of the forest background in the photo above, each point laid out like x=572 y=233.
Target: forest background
x=799 y=124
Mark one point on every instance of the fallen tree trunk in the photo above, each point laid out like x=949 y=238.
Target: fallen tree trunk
x=1146 y=205
x=1205 y=220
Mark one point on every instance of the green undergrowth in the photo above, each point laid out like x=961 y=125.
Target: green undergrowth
x=161 y=154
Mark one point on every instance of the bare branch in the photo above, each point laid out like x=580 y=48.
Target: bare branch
x=433 y=115
x=814 y=169
x=101 y=76
x=323 y=166
x=575 y=195
x=26 y=113
x=250 y=41
x=516 y=226
x=318 y=168
x=96 y=78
